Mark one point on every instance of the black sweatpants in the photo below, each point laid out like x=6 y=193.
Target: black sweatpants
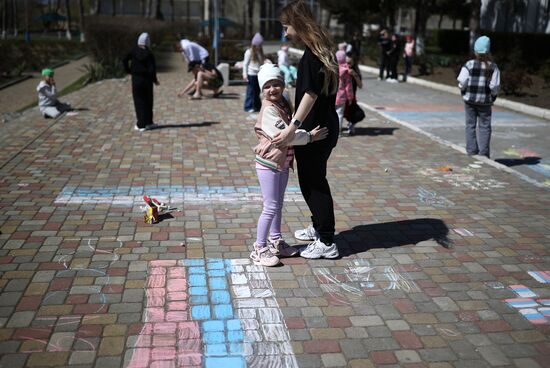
x=312 y=175
x=142 y=91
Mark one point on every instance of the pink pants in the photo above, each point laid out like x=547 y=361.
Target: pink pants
x=273 y=185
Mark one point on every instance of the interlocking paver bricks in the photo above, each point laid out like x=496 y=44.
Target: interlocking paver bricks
x=428 y=257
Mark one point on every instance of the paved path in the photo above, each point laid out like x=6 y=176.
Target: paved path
x=429 y=257
x=23 y=93
x=518 y=140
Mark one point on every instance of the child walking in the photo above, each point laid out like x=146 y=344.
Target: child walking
x=272 y=165
x=479 y=83
x=253 y=59
x=344 y=95
x=49 y=105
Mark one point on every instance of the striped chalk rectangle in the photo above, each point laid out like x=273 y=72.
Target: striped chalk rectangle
x=541 y=276
x=545 y=311
x=523 y=291
x=533 y=316
x=545 y=302
x=521 y=303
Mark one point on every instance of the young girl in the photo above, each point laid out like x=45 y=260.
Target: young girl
x=289 y=71
x=344 y=95
x=479 y=82
x=253 y=58
x=315 y=100
x=408 y=53
x=49 y=105
x=272 y=164
x=357 y=82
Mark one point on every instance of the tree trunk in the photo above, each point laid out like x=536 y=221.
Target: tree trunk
x=68 y=9
x=96 y=8
x=148 y=9
x=142 y=7
x=113 y=8
x=81 y=21
x=121 y=7
x=454 y=23
x=158 y=10
x=440 y=21
x=15 y=29
x=172 y=11
x=4 y=12
x=420 y=20
x=474 y=22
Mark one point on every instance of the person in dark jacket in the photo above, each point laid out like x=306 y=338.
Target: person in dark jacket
x=140 y=63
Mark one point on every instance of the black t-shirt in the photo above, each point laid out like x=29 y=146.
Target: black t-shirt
x=323 y=113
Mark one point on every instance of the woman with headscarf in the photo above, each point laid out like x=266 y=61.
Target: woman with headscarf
x=140 y=64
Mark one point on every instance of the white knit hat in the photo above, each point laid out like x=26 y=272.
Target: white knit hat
x=269 y=72
x=144 y=39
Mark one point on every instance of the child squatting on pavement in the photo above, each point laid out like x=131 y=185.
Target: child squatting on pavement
x=479 y=82
x=49 y=105
x=272 y=165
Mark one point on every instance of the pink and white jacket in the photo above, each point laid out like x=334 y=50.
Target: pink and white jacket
x=271 y=120
x=345 y=87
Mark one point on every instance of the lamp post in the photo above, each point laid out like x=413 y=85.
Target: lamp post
x=216 y=42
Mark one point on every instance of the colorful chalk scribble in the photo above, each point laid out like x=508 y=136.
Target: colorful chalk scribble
x=211 y=313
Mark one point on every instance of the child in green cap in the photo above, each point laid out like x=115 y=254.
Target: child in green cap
x=49 y=105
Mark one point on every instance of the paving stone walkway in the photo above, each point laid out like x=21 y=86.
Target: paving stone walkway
x=443 y=258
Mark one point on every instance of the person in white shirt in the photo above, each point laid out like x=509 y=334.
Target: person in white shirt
x=192 y=51
x=49 y=105
x=253 y=59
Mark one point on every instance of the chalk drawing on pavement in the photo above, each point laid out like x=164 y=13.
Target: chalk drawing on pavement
x=462 y=180
x=174 y=194
x=211 y=313
x=432 y=198
x=535 y=311
x=64 y=341
x=359 y=279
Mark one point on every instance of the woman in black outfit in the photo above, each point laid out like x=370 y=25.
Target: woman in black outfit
x=140 y=63
x=315 y=101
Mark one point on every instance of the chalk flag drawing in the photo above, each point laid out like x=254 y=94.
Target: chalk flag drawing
x=432 y=198
x=174 y=194
x=359 y=278
x=541 y=276
x=64 y=341
x=529 y=308
x=211 y=313
x=523 y=291
x=462 y=180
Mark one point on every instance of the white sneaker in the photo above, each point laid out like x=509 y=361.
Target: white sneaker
x=139 y=129
x=307 y=234
x=280 y=248
x=318 y=249
x=262 y=256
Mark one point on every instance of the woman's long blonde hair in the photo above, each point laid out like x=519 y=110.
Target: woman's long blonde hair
x=316 y=38
x=257 y=54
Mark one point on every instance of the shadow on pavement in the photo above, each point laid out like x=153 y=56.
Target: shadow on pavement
x=374 y=131
x=228 y=96
x=392 y=234
x=190 y=125
x=533 y=160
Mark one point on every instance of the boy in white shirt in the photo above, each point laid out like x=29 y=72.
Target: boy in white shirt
x=49 y=105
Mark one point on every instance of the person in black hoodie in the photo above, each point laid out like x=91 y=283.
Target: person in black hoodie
x=140 y=63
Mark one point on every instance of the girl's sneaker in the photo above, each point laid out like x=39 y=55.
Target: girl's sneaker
x=262 y=256
x=280 y=248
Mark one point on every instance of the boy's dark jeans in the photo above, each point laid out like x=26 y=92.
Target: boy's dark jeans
x=478 y=140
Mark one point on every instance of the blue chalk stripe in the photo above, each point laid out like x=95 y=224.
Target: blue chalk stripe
x=210 y=300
